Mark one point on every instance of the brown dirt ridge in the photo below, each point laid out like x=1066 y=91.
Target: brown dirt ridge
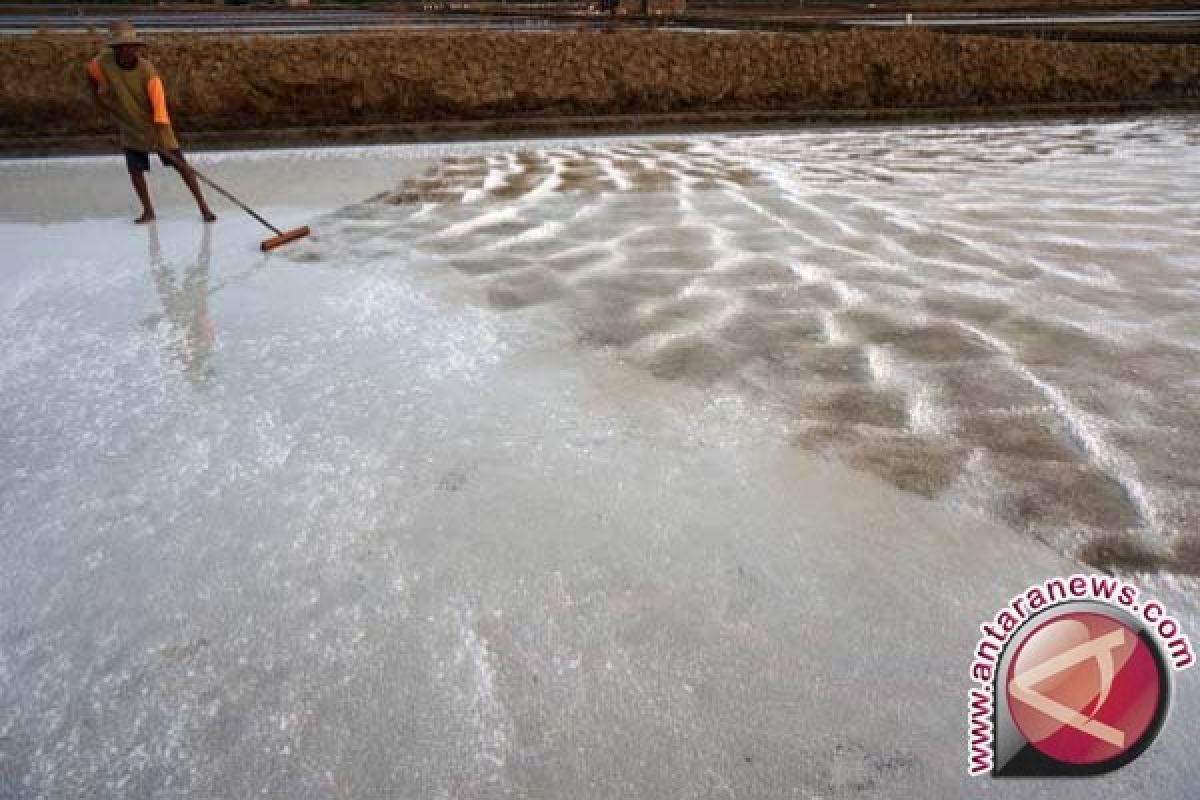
x=264 y=84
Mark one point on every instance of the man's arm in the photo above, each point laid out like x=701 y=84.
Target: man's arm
x=98 y=86
x=158 y=109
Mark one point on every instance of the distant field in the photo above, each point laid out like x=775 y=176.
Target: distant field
x=783 y=9
x=752 y=8
x=232 y=84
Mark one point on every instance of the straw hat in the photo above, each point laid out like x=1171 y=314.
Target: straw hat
x=123 y=33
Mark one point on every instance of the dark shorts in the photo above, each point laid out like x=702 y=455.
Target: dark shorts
x=139 y=160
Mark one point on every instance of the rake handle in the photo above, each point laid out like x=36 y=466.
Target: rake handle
x=179 y=164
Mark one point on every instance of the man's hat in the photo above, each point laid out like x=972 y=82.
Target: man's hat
x=123 y=33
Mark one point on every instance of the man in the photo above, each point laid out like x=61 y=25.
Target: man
x=128 y=87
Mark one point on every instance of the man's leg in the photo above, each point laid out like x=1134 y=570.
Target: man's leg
x=137 y=164
x=193 y=185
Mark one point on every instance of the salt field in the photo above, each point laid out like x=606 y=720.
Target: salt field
x=1008 y=320
x=656 y=467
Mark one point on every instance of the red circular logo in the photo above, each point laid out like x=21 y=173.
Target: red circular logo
x=1084 y=688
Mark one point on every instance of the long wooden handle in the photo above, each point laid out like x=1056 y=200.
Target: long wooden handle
x=179 y=164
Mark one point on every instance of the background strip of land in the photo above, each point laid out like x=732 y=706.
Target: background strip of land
x=518 y=82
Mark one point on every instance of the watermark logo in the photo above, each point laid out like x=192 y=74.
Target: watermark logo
x=1073 y=678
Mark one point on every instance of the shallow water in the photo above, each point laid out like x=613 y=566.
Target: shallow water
x=1006 y=319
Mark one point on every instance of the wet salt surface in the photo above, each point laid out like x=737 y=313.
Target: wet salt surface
x=1005 y=319
x=325 y=524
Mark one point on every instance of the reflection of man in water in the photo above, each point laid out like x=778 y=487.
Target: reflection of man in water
x=190 y=334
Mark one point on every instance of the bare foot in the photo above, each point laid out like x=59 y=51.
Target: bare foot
x=208 y=216
x=144 y=218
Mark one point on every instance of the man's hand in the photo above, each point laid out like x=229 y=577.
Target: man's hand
x=100 y=95
x=157 y=136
